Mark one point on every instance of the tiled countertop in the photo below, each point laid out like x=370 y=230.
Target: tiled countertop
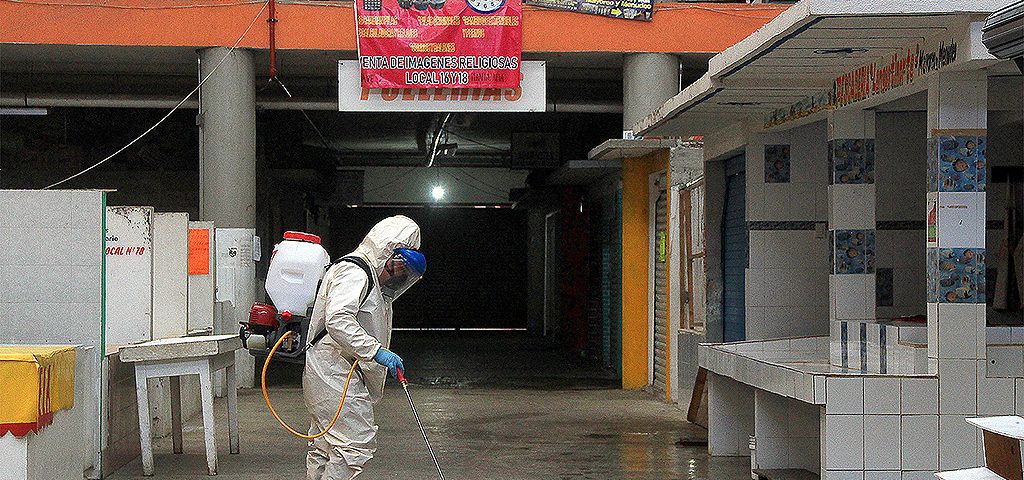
x=794 y=367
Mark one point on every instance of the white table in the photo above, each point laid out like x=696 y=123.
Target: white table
x=173 y=358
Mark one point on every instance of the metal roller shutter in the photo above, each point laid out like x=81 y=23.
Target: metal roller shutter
x=734 y=251
x=660 y=291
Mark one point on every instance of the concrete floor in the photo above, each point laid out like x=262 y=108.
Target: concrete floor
x=548 y=422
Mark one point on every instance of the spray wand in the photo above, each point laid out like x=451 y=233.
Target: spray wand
x=405 y=386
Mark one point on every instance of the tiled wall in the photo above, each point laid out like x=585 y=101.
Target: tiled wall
x=51 y=259
x=786 y=433
x=787 y=278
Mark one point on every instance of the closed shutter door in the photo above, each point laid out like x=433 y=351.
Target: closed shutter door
x=615 y=284
x=734 y=251
x=660 y=290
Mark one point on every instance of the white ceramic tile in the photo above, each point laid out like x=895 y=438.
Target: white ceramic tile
x=957 y=443
x=1005 y=361
x=844 y=475
x=756 y=293
x=878 y=475
x=36 y=208
x=997 y=335
x=844 y=395
x=86 y=246
x=957 y=330
x=958 y=384
x=995 y=395
x=928 y=475
x=981 y=339
x=37 y=283
x=37 y=246
x=961 y=219
x=1019 y=396
x=844 y=442
x=1017 y=335
x=919 y=443
x=819 y=389
x=87 y=209
x=770 y=415
x=851 y=207
x=86 y=284
x=851 y=300
x=881 y=433
x=882 y=395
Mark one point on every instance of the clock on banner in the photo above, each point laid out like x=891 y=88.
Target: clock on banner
x=485 y=6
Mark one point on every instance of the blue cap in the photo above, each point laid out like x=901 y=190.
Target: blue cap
x=414 y=259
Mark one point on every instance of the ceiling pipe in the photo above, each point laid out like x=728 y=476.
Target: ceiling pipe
x=8 y=99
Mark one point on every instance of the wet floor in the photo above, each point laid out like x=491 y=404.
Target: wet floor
x=538 y=424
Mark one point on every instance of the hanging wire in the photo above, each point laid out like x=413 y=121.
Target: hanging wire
x=477 y=142
x=437 y=139
x=503 y=198
x=470 y=175
x=176 y=107
x=393 y=181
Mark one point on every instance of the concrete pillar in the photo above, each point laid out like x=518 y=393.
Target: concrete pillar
x=228 y=148
x=648 y=79
x=227 y=174
x=851 y=223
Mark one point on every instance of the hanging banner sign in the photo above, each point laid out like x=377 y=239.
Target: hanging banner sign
x=627 y=9
x=439 y=43
x=529 y=96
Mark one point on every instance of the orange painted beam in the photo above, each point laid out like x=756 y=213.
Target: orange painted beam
x=677 y=27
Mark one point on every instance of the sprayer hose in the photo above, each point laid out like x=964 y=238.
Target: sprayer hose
x=263 y=383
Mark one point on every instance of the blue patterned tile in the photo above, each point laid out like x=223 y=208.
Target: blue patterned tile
x=959 y=274
x=853 y=252
x=852 y=161
x=961 y=163
x=776 y=163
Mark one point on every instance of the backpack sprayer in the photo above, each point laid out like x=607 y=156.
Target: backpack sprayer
x=297 y=265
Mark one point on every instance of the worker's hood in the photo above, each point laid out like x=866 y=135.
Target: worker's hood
x=394 y=232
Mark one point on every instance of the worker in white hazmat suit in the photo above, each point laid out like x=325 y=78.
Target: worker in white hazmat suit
x=354 y=305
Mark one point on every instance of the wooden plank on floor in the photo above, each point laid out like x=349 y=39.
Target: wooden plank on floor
x=697 y=396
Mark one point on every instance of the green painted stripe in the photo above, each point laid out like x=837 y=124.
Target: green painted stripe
x=103 y=323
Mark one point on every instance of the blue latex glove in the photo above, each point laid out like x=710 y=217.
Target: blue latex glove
x=389 y=359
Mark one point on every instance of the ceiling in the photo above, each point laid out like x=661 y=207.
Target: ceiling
x=800 y=53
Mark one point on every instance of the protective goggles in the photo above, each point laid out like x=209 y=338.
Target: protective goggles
x=401 y=271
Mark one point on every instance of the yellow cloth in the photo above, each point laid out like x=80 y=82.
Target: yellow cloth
x=35 y=381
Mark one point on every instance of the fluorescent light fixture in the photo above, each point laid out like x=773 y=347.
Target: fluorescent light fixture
x=437 y=192
x=22 y=111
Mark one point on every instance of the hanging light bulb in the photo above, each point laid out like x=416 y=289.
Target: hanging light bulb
x=437 y=192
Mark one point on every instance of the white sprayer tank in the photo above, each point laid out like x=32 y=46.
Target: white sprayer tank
x=295 y=271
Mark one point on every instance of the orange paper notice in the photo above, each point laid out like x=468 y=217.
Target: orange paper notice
x=198 y=251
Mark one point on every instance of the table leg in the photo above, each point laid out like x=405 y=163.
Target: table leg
x=176 y=413
x=145 y=433
x=209 y=428
x=232 y=392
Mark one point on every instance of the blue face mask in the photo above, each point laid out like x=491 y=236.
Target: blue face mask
x=401 y=271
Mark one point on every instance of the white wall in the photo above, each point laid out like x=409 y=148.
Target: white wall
x=51 y=260
x=462 y=185
x=787 y=278
x=129 y=252
x=170 y=275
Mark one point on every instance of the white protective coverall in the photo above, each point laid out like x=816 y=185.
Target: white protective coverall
x=354 y=331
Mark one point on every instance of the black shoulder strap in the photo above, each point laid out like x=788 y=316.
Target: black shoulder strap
x=369 y=287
